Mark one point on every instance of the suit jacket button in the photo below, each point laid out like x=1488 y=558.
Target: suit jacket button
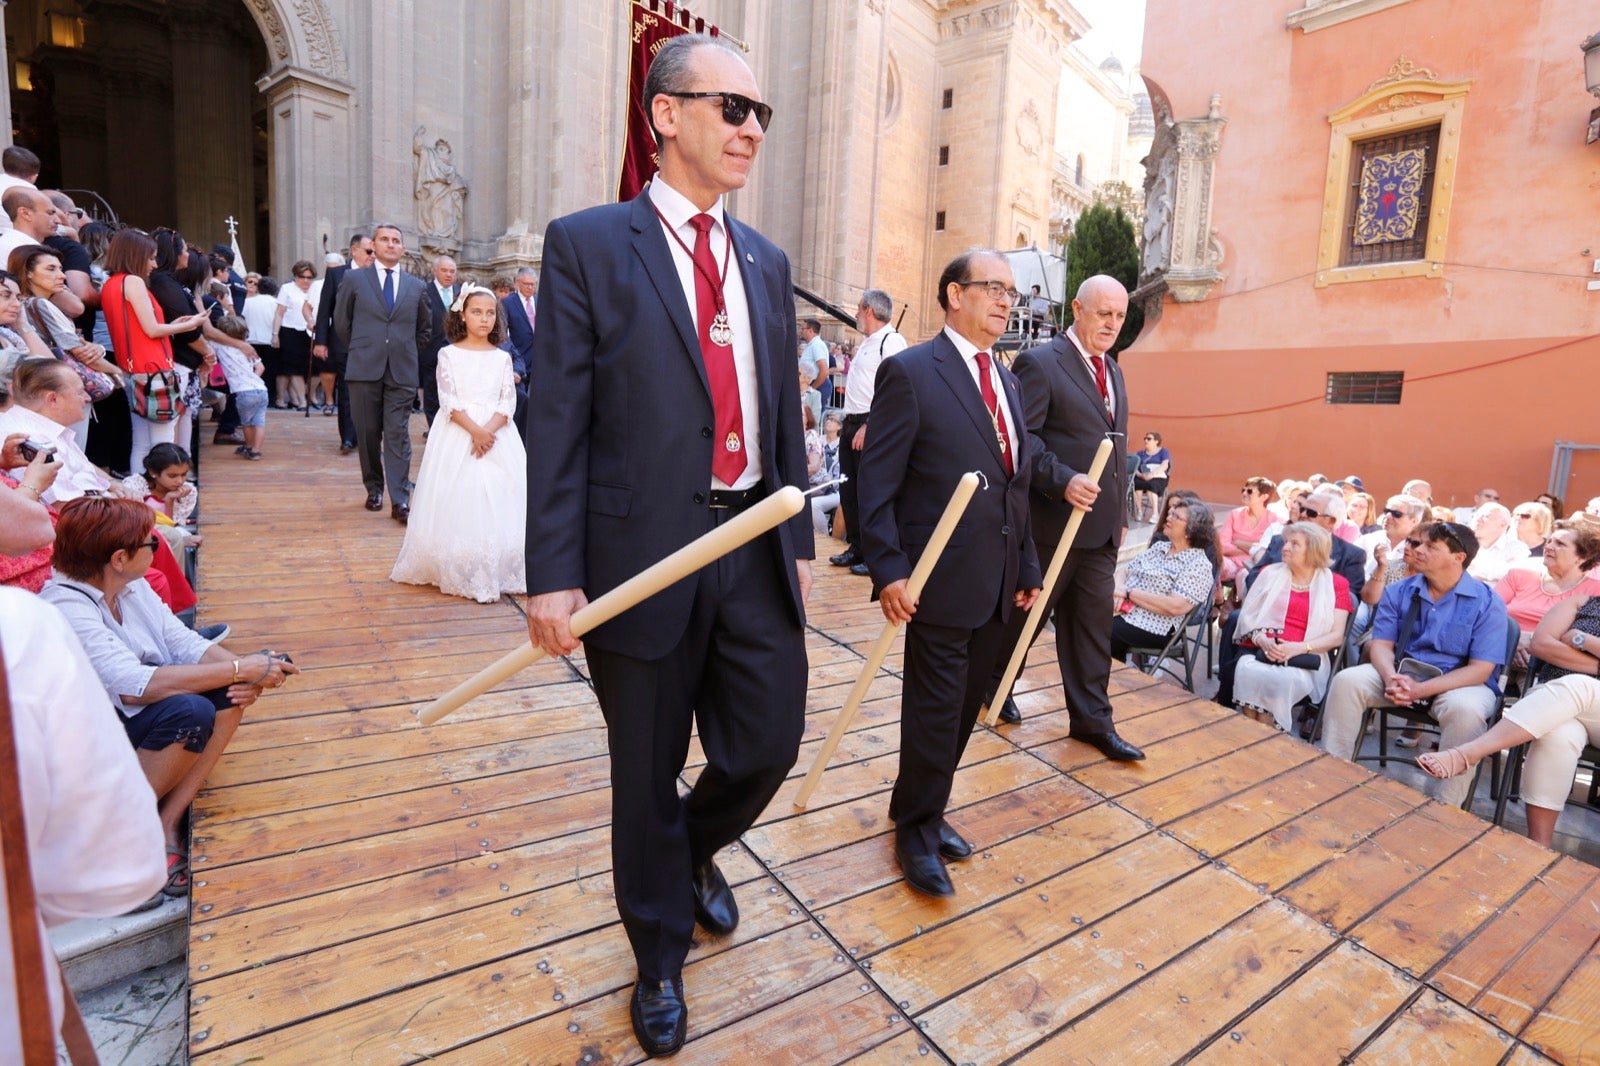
x=705 y=431
x=1005 y=531
x=699 y=497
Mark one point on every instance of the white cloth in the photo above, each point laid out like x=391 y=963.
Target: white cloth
x=78 y=475
x=297 y=307
x=59 y=330
x=678 y=210
x=241 y=378
x=1493 y=560
x=863 y=377
x=1088 y=364
x=94 y=839
x=258 y=311
x=125 y=654
x=969 y=355
x=12 y=239
x=467 y=529
x=7 y=181
x=1563 y=716
x=1271 y=686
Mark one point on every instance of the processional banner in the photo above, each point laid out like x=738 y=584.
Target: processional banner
x=1391 y=187
x=653 y=24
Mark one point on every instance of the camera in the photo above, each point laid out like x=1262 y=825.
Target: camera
x=31 y=448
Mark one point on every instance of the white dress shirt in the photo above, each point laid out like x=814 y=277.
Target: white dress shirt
x=78 y=475
x=863 y=377
x=1088 y=362
x=677 y=210
x=969 y=356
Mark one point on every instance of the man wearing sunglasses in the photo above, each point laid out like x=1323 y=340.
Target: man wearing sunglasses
x=664 y=371
x=1447 y=620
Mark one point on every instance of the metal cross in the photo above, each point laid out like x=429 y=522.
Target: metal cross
x=233 y=227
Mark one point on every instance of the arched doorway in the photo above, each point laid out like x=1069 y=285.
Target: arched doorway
x=189 y=112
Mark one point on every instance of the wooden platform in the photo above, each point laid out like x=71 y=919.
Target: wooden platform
x=371 y=892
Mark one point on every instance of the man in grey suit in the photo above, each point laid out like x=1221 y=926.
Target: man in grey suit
x=382 y=319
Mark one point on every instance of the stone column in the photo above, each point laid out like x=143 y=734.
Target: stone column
x=129 y=38
x=211 y=121
x=5 y=70
x=1196 y=252
x=308 y=162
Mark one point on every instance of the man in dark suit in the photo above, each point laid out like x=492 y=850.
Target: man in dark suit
x=1074 y=396
x=326 y=343
x=438 y=297
x=520 y=312
x=940 y=409
x=664 y=367
x=382 y=319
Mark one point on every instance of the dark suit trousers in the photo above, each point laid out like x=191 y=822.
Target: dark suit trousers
x=849 y=463
x=347 y=425
x=1081 y=609
x=946 y=677
x=739 y=674
x=428 y=369
x=381 y=411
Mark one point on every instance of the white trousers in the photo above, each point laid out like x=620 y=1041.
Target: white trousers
x=1564 y=715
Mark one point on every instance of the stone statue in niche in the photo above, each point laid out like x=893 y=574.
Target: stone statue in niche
x=441 y=194
x=1160 y=195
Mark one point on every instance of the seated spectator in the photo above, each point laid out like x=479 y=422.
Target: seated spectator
x=39 y=279
x=18 y=338
x=1287 y=489
x=1362 y=510
x=1530 y=592
x=1316 y=481
x=1554 y=503
x=1296 y=608
x=93 y=844
x=1150 y=477
x=1298 y=491
x=164 y=487
x=1438 y=642
x=1441 y=514
x=1556 y=720
x=1500 y=549
x=1420 y=489
x=180 y=697
x=1386 y=549
x=1325 y=508
x=1243 y=528
x=1159 y=534
x=28 y=526
x=822 y=460
x=48 y=399
x=1593 y=507
x=1533 y=523
x=1464 y=515
x=1167 y=580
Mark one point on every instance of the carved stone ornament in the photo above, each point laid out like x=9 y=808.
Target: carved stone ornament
x=441 y=195
x=312 y=28
x=1403 y=70
x=1179 y=248
x=1030 y=131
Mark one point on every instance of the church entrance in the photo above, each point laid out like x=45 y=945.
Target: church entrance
x=147 y=110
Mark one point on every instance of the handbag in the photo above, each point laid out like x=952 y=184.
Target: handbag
x=152 y=396
x=1307 y=661
x=96 y=384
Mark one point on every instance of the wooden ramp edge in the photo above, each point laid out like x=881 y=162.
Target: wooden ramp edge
x=367 y=891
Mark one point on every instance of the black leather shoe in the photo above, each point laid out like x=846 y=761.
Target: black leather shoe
x=1112 y=746
x=714 y=905
x=952 y=845
x=660 y=1017
x=925 y=873
x=375 y=501
x=860 y=570
x=1009 y=713
x=400 y=512
x=845 y=558
x=346 y=447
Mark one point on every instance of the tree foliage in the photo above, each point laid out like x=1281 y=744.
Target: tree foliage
x=1103 y=242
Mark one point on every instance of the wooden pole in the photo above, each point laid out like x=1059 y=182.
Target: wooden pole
x=990 y=714
x=770 y=512
x=919 y=577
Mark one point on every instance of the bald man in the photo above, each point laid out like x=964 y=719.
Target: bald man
x=1073 y=397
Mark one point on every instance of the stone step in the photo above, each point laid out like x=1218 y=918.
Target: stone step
x=95 y=952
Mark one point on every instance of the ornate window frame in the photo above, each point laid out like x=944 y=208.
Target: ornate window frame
x=1408 y=97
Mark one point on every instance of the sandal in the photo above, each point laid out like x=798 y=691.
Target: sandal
x=1451 y=762
x=177 y=873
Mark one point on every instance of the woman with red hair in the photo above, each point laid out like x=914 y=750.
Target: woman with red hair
x=180 y=697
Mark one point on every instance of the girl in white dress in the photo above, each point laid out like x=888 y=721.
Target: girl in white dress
x=468 y=511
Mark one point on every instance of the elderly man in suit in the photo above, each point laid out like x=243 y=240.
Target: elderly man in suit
x=664 y=367
x=438 y=296
x=382 y=319
x=519 y=309
x=1075 y=397
x=326 y=343
x=940 y=409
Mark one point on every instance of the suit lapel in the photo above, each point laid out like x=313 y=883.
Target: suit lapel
x=954 y=370
x=650 y=245
x=756 y=305
x=1075 y=368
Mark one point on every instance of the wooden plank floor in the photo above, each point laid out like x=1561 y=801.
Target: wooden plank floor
x=367 y=891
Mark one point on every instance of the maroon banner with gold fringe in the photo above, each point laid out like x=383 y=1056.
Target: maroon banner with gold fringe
x=654 y=23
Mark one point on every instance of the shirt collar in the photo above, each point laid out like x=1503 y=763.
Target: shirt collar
x=965 y=348
x=58 y=578
x=46 y=427
x=1072 y=335
x=881 y=331
x=676 y=208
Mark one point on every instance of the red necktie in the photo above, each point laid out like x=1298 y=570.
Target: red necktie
x=1099 y=362
x=727 y=456
x=989 y=401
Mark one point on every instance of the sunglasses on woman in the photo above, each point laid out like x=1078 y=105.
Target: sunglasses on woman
x=735 y=108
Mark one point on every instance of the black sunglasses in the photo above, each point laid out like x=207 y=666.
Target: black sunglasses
x=1306 y=512
x=1450 y=537
x=153 y=543
x=735 y=108
x=1392 y=513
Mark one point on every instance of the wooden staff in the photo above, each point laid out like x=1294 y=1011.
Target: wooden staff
x=919 y=577
x=991 y=713
x=770 y=512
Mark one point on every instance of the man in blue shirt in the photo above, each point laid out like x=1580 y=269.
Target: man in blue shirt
x=1445 y=618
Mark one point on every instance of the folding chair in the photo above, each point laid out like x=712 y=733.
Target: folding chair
x=1153 y=658
x=1417 y=717
x=1311 y=710
x=1508 y=785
